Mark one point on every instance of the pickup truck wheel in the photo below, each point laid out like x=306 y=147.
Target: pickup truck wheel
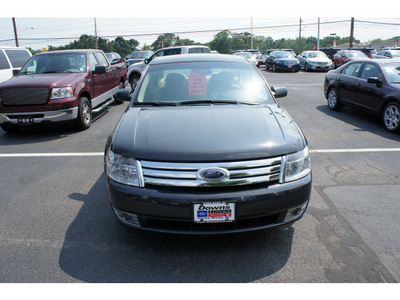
x=121 y=87
x=84 y=114
x=133 y=81
x=391 y=117
x=333 y=99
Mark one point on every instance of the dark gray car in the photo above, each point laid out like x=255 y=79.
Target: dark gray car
x=205 y=148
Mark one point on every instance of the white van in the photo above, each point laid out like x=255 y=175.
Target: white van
x=12 y=58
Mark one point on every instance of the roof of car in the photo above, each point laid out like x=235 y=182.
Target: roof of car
x=198 y=58
x=71 y=51
x=378 y=61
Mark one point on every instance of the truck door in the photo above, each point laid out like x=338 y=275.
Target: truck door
x=98 y=80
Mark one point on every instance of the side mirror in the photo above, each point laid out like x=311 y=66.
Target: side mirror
x=147 y=61
x=15 y=72
x=100 y=70
x=279 y=91
x=124 y=95
x=375 y=80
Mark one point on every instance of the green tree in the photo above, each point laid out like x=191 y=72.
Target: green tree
x=165 y=40
x=222 y=42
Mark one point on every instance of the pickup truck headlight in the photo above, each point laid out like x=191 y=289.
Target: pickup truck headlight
x=297 y=165
x=122 y=169
x=63 y=92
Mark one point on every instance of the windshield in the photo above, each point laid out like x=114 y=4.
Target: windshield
x=283 y=54
x=245 y=54
x=55 y=63
x=203 y=81
x=140 y=54
x=316 y=54
x=392 y=72
x=356 y=54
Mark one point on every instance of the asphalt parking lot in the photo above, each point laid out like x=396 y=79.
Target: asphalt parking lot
x=56 y=224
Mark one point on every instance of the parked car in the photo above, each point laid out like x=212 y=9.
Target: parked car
x=389 y=53
x=255 y=52
x=367 y=51
x=282 y=60
x=58 y=86
x=135 y=71
x=314 y=60
x=344 y=56
x=137 y=57
x=113 y=57
x=330 y=52
x=369 y=85
x=249 y=56
x=12 y=59
x=205 y=148
x=266 y=53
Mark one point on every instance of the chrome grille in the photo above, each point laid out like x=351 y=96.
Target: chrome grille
x=24 y=96
x=185 y=174
x=322 y=63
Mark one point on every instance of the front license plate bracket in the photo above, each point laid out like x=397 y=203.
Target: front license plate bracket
x=214 y=212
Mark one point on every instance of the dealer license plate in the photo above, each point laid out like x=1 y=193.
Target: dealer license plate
x=25 y=120
x=214 y=212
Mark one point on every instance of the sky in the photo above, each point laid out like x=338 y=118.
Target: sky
x=144 y=22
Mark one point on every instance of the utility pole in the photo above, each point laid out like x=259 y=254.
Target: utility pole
x=15 y=32
x=319 y=23
x=95 y=34
x=300 y=37
x=251 y=31
x=351 y=32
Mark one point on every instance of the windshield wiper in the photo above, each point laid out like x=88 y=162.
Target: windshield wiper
x=57 y=71
x=215 y=102
x=157 y=103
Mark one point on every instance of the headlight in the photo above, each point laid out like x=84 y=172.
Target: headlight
x=297 y=165
x=63 y=92
x=122 y=169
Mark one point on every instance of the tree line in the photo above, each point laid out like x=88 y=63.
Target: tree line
x=224 y=42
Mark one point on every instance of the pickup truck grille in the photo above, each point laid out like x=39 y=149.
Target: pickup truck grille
x=187 y=174
x=24 y=96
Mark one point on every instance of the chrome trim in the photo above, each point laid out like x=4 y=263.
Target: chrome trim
x=139 y=173
x=283 y=170
x=186 y=174
x=103 y=97
x=54 y=116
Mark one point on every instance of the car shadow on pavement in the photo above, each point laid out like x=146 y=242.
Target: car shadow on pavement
x=97 y=248
x=362 y=120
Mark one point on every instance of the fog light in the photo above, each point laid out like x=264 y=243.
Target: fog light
x=127 y=218
x=295 y=212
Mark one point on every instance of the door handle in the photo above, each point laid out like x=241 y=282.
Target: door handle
x=103 y=76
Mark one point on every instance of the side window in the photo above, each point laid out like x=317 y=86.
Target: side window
x=370 y=70
x=352 y=69
x=3 y=61
x=18 y=57
x=92 y=62
x=101 y=59
x=159 y=53
x=205 y=50
x=192 y=50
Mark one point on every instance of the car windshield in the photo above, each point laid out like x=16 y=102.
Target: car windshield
x=203 y=82
x=245 y=54
x=316 y=55
x=140 y=54
x=284 y=54
x=55 y=63
x=356 y=54
x=392 y=72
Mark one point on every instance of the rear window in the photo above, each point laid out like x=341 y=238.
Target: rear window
x=3 y=61
x=18 y=57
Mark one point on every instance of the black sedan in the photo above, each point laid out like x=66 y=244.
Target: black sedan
x=205 y=148
x=368 y=85
x=282 y=60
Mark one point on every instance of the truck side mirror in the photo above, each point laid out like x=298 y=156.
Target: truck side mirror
x=15 y=72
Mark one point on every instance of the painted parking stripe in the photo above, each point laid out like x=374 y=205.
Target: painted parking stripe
x=84 y=154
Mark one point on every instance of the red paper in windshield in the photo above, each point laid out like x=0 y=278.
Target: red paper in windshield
x=197 y=83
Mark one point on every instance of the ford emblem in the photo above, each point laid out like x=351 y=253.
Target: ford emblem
x=213 y=174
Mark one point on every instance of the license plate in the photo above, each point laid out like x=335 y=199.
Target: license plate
x=214 y=212
x=25 y=120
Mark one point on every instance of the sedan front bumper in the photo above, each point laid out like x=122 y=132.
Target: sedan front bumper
x=168 y=209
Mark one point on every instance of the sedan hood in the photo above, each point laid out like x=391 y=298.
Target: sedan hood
x=319 y=59
x=42 y=80
x=206 y=133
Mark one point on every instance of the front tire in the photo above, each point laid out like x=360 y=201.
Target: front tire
x=133 y=81
x=84 y=119
x=391 y=117
x=333 y=100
